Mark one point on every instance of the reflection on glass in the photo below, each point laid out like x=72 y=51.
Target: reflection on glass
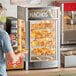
x=21 y=35
x=69 y=20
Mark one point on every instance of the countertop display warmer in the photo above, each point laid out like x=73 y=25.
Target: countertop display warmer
x=42 y=27
x=68 y=34
x=18 y=41
x=68 y=23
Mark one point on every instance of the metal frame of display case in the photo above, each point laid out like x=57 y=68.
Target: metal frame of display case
x=24 y=13
x=62 y=23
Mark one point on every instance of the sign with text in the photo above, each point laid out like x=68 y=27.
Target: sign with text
x=43 y=13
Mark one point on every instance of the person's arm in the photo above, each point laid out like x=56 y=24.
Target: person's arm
x=7 y=49
x=12 y=57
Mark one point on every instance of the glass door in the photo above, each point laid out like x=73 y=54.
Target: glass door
x=21 y=35
x=69 y=20
x=68 y=23
x=43 y=40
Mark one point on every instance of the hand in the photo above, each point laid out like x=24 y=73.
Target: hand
x=19 y=55
x=22 y=54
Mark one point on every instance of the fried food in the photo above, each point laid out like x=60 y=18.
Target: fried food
x=43 y=51
x=51 y=34
x=42 y=25
x=43 y=42
x=32 y=43
x=32 y=26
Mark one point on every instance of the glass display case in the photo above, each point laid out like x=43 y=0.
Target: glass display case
x=68 y=34
x=68 y=23
x=18 y=41
x=42 y=25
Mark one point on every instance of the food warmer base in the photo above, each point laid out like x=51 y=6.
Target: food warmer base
x=68 y=61
x=43 y=64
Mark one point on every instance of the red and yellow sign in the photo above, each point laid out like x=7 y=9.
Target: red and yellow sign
x=17 y=65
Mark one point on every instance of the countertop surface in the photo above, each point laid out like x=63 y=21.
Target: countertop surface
x=43 y=72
